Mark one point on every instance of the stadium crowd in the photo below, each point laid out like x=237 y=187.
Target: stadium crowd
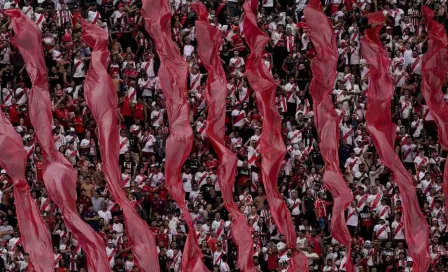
x=373 y=218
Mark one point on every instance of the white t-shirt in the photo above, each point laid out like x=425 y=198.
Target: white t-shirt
x=188 y=50
x=186 y=179
x=400 y=233
x=384 y=233
x=295 y=205
x=149 y=142
x=106 y=215
x=353 y=218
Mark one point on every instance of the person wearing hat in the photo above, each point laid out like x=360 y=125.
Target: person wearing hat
x=111 y=252
x=409 y=264
x=218 y=254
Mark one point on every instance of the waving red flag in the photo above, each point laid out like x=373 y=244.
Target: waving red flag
x=382 y=130
x=326 y=119
x=35 y=237
x=271 y=143
x=434 y=70
x=173 y=79
x=101 y=98
x=59 y=176
x=209 y=41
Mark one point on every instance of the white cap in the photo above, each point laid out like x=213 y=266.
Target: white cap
x=409 y=259
x=3 y=171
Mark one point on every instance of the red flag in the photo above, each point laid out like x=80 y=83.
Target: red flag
x=35 y=237
x=59 y=176
x=209 y=40
x=173 y=79
x=434 y=70
x=101 y=98
x=271 y=143
x=383 y=131
x=326 y=119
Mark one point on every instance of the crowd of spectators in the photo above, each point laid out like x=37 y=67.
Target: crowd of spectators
x=373 y=218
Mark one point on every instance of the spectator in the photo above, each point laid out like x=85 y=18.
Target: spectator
x=374 y=218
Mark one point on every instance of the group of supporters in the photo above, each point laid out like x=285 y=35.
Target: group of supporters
x=374 y=218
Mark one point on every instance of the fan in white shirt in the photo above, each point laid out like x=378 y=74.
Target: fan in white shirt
x=236 y=64
x=187 y=178
x=124 y=143
x=28 y=10
x=188 y=48
x=381 y=231
x=397 y=228
x=353 y=163
x=105 y=213
x=148 y=141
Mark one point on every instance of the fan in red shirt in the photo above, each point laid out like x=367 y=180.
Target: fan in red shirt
x=237 y=41
x=140 y=110
x=162 y=237
x=39 y=169
x=13 y=111
x=211 y=163
x=78 y=123
x=126 y=109
x=154 y=227
x=320 y=207
x=61 y=112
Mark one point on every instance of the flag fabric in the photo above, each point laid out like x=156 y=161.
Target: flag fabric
x=101 y=98
x=59 y=176
x=173 y=80
x=382 y=131
x=434 y=70
x=36 y=239
x=209 y=40
x=271 y=143
x=326 y=119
